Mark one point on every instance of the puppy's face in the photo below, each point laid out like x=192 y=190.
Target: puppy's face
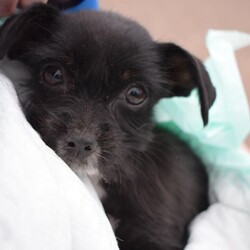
x=95 y=78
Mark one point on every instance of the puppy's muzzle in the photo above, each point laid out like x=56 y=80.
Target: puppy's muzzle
x=83 y=146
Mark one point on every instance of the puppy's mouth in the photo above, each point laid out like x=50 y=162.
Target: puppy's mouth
x=87 y=167
x=77 y=159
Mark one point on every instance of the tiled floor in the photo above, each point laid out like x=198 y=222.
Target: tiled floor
x=187 y=21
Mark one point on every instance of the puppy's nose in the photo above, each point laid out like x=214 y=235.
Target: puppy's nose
x=83 y=146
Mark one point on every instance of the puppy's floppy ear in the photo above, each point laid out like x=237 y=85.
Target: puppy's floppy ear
x=184 y=72
x=20 y=30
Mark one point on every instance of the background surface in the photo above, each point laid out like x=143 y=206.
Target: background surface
x=186 y=22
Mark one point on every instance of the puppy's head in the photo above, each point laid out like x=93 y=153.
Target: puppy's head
x=95 y=77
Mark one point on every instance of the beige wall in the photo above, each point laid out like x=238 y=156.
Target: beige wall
x=187 y=21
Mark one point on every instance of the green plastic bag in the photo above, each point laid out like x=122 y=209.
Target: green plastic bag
x=218 y=144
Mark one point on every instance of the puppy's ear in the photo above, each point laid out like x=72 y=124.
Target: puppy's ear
x=184 y=72
x=21 y=30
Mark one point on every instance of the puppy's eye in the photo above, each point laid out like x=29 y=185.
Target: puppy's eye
x=135 y=95
x=53 y=75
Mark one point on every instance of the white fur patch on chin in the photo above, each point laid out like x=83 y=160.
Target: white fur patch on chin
x=88 y=168
x=91 y=171
x=94 y=175
x=83 y=170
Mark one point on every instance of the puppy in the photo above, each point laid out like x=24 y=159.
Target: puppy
x=94 y=80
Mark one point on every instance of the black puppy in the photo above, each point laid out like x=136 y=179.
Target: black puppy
x=95 y=78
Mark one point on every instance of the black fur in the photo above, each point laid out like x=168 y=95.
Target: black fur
x=86 y=112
